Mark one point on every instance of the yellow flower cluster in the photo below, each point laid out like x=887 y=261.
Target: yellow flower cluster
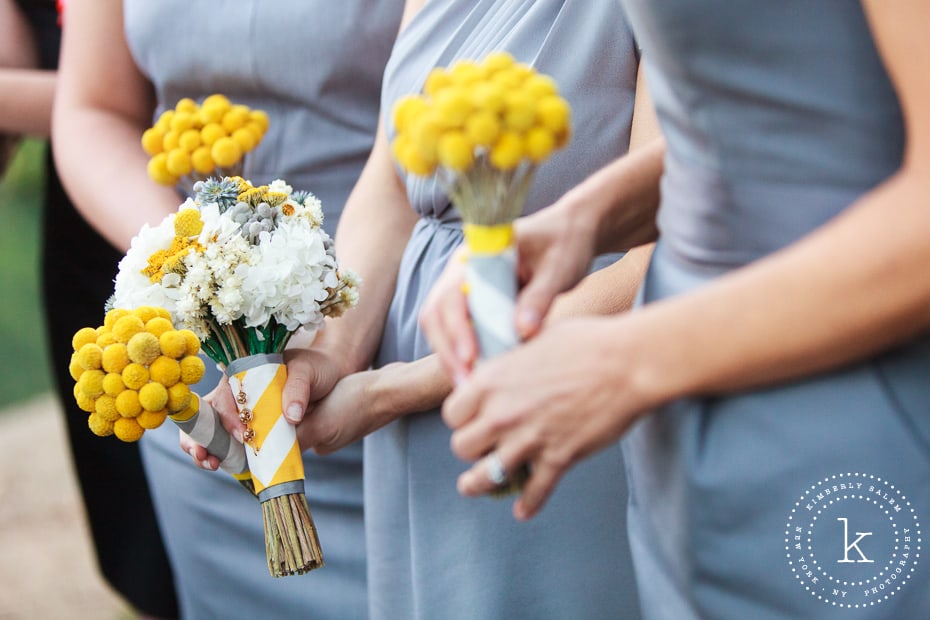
x=199 y=139
x=498 y=109
x=133 y=371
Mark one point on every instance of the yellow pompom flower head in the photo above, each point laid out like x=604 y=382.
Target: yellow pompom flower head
x=193 y=142
x=141 y=374
x=482 y=128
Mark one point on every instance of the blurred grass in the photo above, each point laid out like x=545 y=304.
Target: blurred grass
x=24 y=365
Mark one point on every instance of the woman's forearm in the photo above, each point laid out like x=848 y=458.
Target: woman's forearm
x=26 y=97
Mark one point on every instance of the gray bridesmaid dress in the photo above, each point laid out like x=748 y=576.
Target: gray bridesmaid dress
x=807 y=499
x=315 y=67
x=431 y=553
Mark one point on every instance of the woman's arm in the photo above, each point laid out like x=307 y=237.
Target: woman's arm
x=103 y=105
x=809 y=308
x=26 y=92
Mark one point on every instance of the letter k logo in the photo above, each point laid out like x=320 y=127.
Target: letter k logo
x=853 y=545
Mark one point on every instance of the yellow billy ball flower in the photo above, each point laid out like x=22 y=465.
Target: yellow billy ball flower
x=539 y=144
x=164 y=121
x=157 y=169
x=192 y=369
x=521 y=111
x=179 y=162
x=216 y=100
x=151 y=419
x=226 y=152
x=256 y=130
x=210 y=115
x=488 y=97
x=113 y=384
x=508 y=80
x=245 y=138
x=127 y=430
x=507 y=152
x=165 y=370
x=105 y=339
x=483 y=128
x=158 y=326
x=190 y=140
x=260 y=118
x=202 y=161
x=75 y=369
x=83 y=336
x=146 y=313
x=90 y=356
x=84 y=402
x=452 y=107
x=186 y=104
x=179 y=397
x=182 y=121
x=98 y=426
x=187 y=223
x=539 y=86
x=105 y=407
x=91 y=383
x=407 y=110
x=211 y=133
x=162 y=313
x=113 y=315
x=235 y=118
x=171 y=140
x=465 y=73
x=115 y=357
x=553 y=113
x=143 y=348
x=455 y=151
x=409 y=158
x=126 y=327
x=437 y=80
x=192 y=341
x=173 y=344
x=135 y=376
x=497 y=61
x=424 y=139
x=127 y=404
x=153 y=396
x=152 y=141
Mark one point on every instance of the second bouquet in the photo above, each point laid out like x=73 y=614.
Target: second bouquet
x=244 y=267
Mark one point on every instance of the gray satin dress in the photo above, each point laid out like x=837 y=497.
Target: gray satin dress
x=431 y=553
x=807 y=499
x=315 y=67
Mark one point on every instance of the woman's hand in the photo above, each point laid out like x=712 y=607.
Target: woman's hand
x=548 y=404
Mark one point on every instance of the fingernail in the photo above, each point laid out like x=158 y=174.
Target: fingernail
x=237 y=433
x=459 y=378
x=527 y=320
x=462 y=352
x=294 y=412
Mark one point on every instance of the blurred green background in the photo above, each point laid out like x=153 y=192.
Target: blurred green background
x=24 y=366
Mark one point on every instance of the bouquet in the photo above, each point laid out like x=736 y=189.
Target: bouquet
x=243 y=267
x=194 y=142
x=133 y=372
x=482 y=129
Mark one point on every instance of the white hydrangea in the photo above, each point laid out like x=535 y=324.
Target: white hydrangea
x=133 y=288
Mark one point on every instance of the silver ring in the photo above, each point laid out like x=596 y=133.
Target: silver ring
x=495 y=468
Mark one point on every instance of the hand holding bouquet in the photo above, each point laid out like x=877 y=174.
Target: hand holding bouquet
x=244 y=267
x=482 y=129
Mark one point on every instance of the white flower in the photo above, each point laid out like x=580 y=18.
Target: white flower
x=281 y=187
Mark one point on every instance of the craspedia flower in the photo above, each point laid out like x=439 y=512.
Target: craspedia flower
x=84 y=402
x=226 y=152
x=190 y=140
x=211 y=133
x=113 y=316
x=202 y=160
x=158 y=326
x=126 y=327
x=165 y=370
x=260 y=119
x=152 y=141
x=143 y=348
x=178 y=163
x=105 y=339
x=75 y=369
x=146 y=313
x=151 y=419
x=407 y=111
x=105 y=407
x=508 y=151
x=153 y=396
x=157 y=169
x=173 y=344
x=553 y=113
x=115 y=357
x=179 y=397
x=193 y=342
x=539 y=144
x=90 y=356
x=187 y=223
x=127 y=404
x=113 y=384
x=127 y=429
x=99 y=426
x=455 y=151
x=135 y=376
x=192 y=369
x=91 y=383
x=85 y=335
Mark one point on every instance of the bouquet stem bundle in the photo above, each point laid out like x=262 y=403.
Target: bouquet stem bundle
x=291 y=543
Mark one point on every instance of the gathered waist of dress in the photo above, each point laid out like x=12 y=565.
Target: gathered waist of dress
x=450 y=223
x=719 y=222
